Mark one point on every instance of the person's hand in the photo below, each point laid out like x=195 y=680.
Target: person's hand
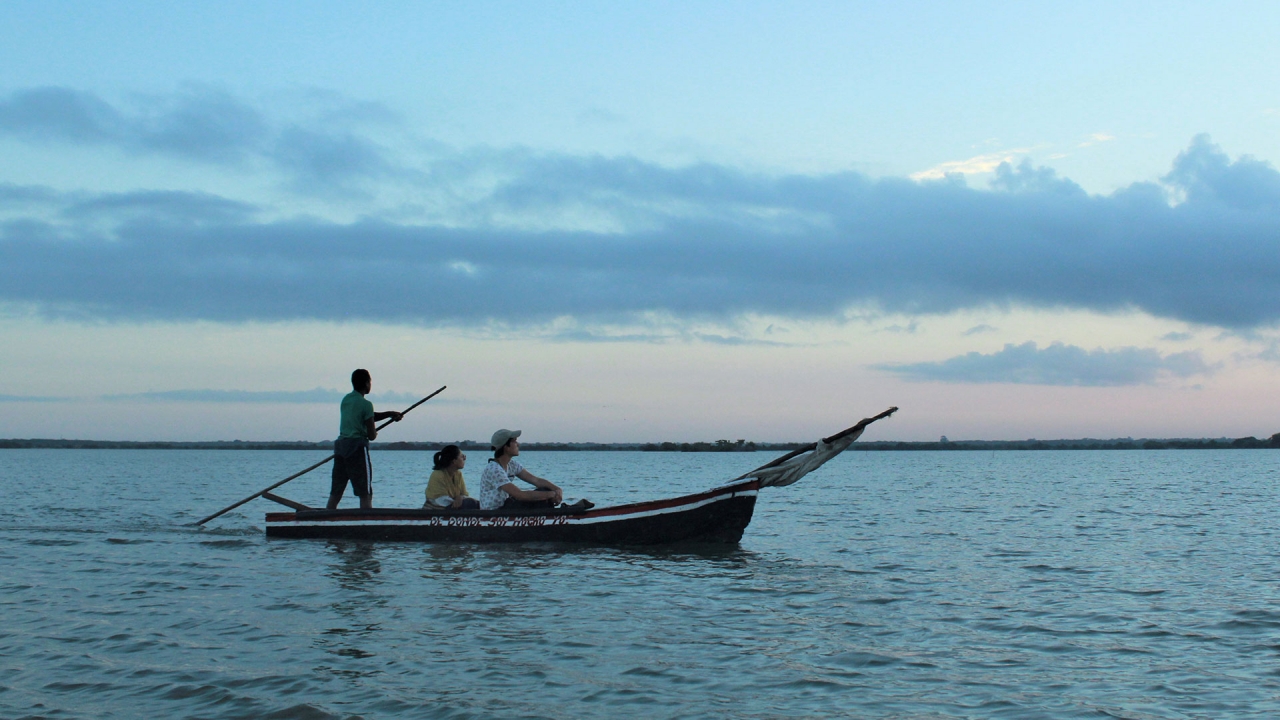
x=396 y=416
x=457 y=502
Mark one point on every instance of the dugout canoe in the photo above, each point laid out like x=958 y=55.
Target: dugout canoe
x=718 y=515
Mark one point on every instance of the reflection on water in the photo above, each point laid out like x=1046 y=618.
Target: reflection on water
x=355 y=564
x=945 y=585
x=355 y=567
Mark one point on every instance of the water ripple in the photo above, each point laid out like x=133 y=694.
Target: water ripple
x=912 y=585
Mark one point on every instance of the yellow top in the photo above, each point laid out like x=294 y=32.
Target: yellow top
x=444 y=483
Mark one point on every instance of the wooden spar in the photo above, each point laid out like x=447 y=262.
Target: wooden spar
x=297 y=475
x=811 y=446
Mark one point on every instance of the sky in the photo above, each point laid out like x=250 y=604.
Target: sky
x=632 y=222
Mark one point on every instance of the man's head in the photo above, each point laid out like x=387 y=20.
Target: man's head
x=501 y=440
x=361 y=382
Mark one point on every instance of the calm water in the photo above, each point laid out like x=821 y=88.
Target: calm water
x=887 y=585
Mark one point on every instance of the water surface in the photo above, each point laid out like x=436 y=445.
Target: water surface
x=1060 y=584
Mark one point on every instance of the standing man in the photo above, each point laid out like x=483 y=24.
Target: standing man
x=351 y=451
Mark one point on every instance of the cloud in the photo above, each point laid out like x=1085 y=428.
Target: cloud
x=1204 y=177
x=315 y=396
x=1270 y=353
x=596 y=115
x=908 y=329
x=657 y=337
x=1057 y=364
x=27 y=196
x=1177 y=336
x=189 y=209
x=403 y=397
x=199 y=123
x=51 y=114
x=321 y=161
x=1027 y=178
x=973 y=166
x=208 y=125
x=715 y=339
x=521 y=238
x=202 y=123
x=979 y=329
x=1096 y=139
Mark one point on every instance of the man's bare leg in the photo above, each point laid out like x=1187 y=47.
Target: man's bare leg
x=366 y=501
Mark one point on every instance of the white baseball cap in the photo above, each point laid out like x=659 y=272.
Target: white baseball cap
x=502 y=437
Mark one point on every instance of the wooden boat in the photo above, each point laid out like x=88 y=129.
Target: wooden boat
x=719 y=515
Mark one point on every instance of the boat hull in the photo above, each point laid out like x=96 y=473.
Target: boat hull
x=716 y=516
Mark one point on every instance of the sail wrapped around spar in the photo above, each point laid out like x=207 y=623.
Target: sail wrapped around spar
x=800 y=462
x=797 y=467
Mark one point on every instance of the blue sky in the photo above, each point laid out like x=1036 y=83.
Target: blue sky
x=663 y=221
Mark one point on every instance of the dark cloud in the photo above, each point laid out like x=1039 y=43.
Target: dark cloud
x=696 y=242
x=288 y=397
x=200 y=123
x=27 y=197
x=320 y=161
x=908 y=329
x=205 y=124
x=1177 y=336
x=316 y=396
x=159 y=207
x=53 y=114
x=1028 y=178
x=1057 y=364
x=658 y=338
x=1205 y=176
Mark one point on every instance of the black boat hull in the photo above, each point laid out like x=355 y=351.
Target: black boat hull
x=716 y=516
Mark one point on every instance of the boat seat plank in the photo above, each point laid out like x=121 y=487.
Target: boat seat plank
x=286 y=501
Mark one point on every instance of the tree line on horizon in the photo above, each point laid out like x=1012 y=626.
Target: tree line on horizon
x=722 y=445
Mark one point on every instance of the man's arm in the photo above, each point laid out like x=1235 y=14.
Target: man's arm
x=541 y=484
x=371 y=431
x=528 y=495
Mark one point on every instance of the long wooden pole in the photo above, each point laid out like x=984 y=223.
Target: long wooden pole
x=297 y=475
x=813 y=445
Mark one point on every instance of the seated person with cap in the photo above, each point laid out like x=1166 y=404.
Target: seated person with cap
x=445 y=487
x=496 y=487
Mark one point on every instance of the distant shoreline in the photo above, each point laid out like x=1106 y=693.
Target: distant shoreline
x=717 y=446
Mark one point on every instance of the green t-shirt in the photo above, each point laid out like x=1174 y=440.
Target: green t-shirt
x=356 y=411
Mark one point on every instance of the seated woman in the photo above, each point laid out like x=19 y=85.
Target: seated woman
x=496 y=487
x=446 y=488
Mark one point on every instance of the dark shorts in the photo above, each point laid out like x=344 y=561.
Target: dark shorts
x=351 y=463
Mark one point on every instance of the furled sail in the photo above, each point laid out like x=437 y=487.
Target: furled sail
x=798 y=463
x=797 y=467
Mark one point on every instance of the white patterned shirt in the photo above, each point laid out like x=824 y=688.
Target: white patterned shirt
x=491 y=481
